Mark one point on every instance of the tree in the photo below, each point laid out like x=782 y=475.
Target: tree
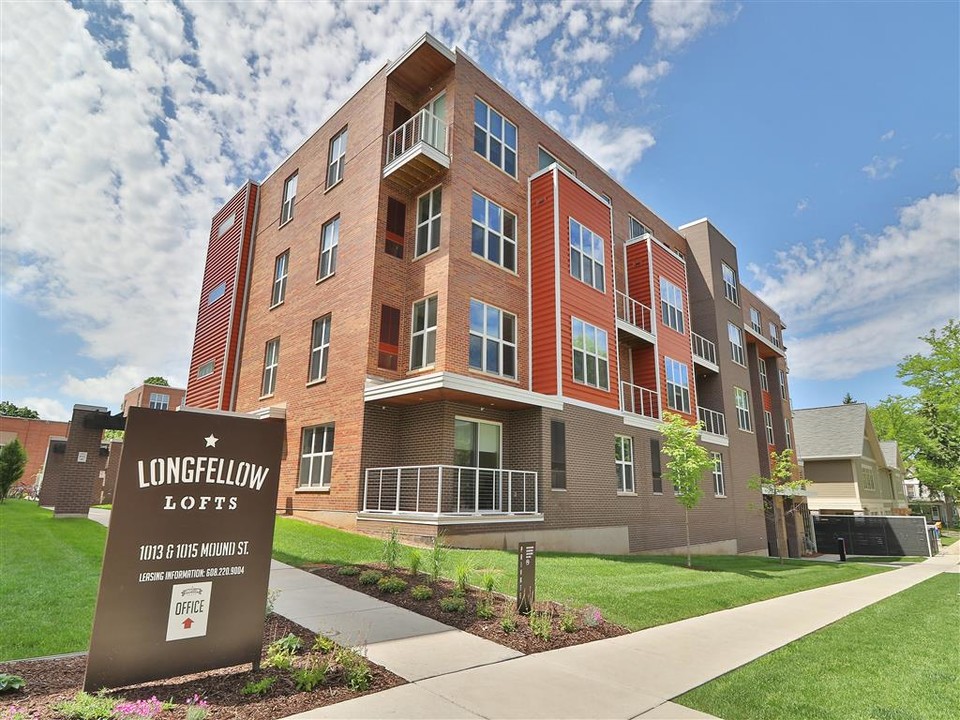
x=13 y=460
x=688 y=461
x=156 y=380
x=11 y=410
x=848 y=399
x=781 y=483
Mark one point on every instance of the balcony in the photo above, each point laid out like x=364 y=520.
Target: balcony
x=634 y=317
x=640 y=401
x=417 y=150
x=450 y=494
x=712 y=422
x=704 y=352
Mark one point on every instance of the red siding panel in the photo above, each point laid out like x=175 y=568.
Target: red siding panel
x=671 y=343
x=543 y=286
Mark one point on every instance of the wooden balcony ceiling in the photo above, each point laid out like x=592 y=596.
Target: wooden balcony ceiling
x=418 y=169
x=437 y=394
x=417 y=70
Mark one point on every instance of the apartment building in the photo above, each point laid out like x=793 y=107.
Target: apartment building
x=470 y=327
x=155 y=397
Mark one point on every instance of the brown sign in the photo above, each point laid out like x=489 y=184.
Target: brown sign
x=526 y=576
x=187 y=562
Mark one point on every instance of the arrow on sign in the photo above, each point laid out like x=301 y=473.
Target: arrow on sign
x=187 y=623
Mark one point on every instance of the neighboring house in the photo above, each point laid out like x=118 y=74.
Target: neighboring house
x=157 y=397
x=470 y=327
x=34 y=435
x=851 y=472
x=930 y=504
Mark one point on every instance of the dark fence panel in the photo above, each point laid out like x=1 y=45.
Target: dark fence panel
x=872 y=534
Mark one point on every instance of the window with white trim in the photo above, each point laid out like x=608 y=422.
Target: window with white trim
x=206 y=369
x=731 y=290
x=586 y=255
x=218 y=292
x=545 y=159
x=159 y=401
x=786 y=431
x=428 y=222
x=590 y=359
x=623 y=457
x=741 y=399
x=764 y=383
x=775 y=334
x=319 y=349
x=637 y=228
x=338 y=158
x=316 y=457
x=719 y=486
x=329 y=240
x=755 y=321
x=423 y=333
x=678 y=385
x=494 y=233
x=271 y=359
x=869 y=477
x=768 y=424
x=225 y=226
x=735 y=335
x=280 y=265
x=493 y=340
x=289 y=198
x=783 y=383
x=671 y=305
x=494 y=137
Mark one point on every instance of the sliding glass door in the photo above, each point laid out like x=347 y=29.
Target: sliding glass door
x=477 y=452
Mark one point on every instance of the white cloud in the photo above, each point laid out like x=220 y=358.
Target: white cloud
x=641 y=75
x=678 y=22
x=887 y=136
x=48 y=408
x=589 y=91
x=861 y=303
x=616 y=149
x=802 y=204
x=880 y=168
x=109 y=388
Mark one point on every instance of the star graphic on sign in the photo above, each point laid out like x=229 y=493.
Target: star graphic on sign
x=211 y=440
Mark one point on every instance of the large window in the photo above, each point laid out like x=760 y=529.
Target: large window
x=590 y=355
x=329 y=240
x=764 y=383
x=396 y=227
x=338 y=157
x=656 y=470
x=783 y=383
x=768 y=424
x=546 y=159
x=423 y=336
x=731 y=290
x=389 y=348
x=786 y=432
x=159 y=401
x=775 y=334
x=206 y=369
x=678 y=385
x=623 y=455
x=671 y=305
x=719 y=486
x=493 y=340
x=586 y=255
x=637 y=228
x=869 y=477
x=558 y=455
x=735 y=334
x=755 y=320
x=741 y=398
x=494 y=233
x=280 y=269
x=271 y=359
x=316 y=457
x=319 y=349
x=494 y=137
x=289 y=198
x=428 y=222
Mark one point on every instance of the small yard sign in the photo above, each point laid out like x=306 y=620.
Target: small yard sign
x=526 y=576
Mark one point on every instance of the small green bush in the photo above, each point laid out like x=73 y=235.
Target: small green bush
x=289 y=643
x=590 y=616
x=392 y=584
x=370 y=577
x=84 y=706
x=306 y=679
x=453 y=603
x=258 y=687
x=508 y=623
x=324 y=645
x=414 y=561
x=568 y=621
x=279 y=660
x=488 y=582
x=355 y=669
x=463 y=576
x=9 y=683
x=421 y=592
x=391 y=549
x=349 y=570
x=485 y=608
x=540 y=624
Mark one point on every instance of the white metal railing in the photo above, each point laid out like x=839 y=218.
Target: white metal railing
x=424 y=127
x=704 y=349
x=633 y=312
x=450 y=490
x=712 y=421
x=639 y=400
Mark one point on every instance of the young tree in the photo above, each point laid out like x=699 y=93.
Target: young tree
x=13 y=460
x=848 y=399
x=686 y=466
x=11 y=410
x=781 y=483
x=156 y=380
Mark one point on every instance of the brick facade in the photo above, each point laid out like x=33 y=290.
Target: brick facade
x=82 y=464
x=35 y=436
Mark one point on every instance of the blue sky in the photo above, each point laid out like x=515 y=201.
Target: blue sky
x=821 y=138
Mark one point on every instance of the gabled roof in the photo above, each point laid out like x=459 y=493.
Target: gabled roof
x=890 y=453
x=830 y=432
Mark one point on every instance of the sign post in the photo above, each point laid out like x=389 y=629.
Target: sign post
x=526 y=576
x=187 y=562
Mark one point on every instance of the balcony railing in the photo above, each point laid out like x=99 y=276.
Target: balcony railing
x=633 y=312
x=450 y=490
x=704 y=349
x=639 y=400
x=424 y=127
x=712 y=421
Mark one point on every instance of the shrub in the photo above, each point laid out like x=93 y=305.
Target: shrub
x=590 y=616
x=349 y=570
x=453 y=603
x=139 y=709
x=278 y=660
x=421 y=592
x=463 y=576
x=84 y=706
x=508 y=622
x=438 y=553
x=488 y=582
x=485 y=608
x=289 y=643
x=568 y=621
x=392 y=584
x=355 y=669
x=370 y=577
x=258 y=687
x=540 y=624
x=324 y=645
x=9 y=683
x=306 y=679
x=197 y=708
x=391 y=549
x=414 y=561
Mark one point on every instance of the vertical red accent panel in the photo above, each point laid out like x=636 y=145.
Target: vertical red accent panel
x=638 y=272
x=543 y=340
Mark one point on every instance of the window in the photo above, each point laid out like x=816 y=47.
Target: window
x=396 y=227
x=764 y=383
x=623 y=455
x=786 y=432
x=678 y=385
x=775 y=334
x=607 y=199
x=655 y=469
x=218 y=292
x=719 y=487
x=280 y=265
x=741 y=398
x=637 y=228
x=159 y=401
x=319 y=349
x=546 y=159
x=494 y=233
x=869 y=477
x=735 y=334
x=768 y=423
x=671 y=305
x=271 y=359
x=731 y=289
x=226 y=225
x=755 y=320
x=586 y=255
x=329 y=239
x=558 y=455
x=783 y=383
x=428 y=222
x=316 y=457
x=338 y=156
x=389 y=348
x=589 y=355
x=494 y=137
x=289 y=198
x=205 y=369
x=493 y=342
x=423 y=339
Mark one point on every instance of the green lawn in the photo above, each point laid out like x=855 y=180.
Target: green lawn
x=894 y=660
x=635 y=591
x=49 y=572
x=949 y=537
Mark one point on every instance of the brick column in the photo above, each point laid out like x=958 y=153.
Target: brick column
x=81 y=464
x=52 y=471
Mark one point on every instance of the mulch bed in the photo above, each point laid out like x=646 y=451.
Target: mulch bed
x=589 y=624
x=49 y=682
